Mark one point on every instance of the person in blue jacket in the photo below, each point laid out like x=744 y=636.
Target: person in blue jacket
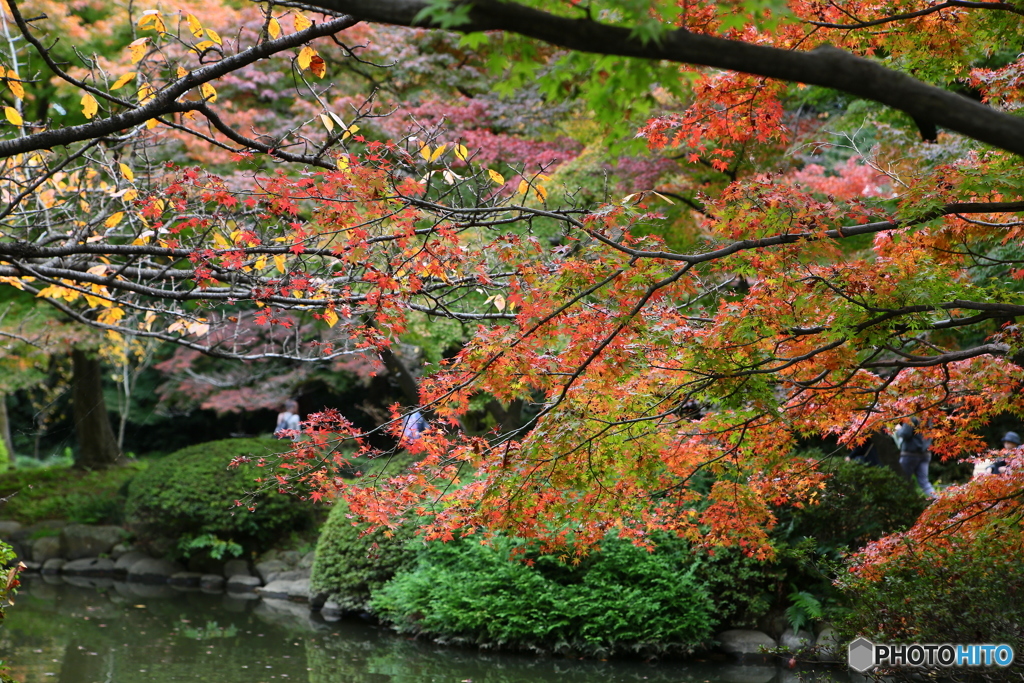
x=914 y=454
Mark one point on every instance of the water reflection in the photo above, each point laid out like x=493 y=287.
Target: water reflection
x=112 y=632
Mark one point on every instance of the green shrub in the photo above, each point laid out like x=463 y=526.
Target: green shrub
x=350 y=563
x=858 y=504
x=96 y=497
x=970 y=590
x=192 y=493
x=621 y=598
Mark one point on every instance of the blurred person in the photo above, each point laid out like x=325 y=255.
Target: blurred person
x=915 y=454
x=1011 y=442
x=287 y=420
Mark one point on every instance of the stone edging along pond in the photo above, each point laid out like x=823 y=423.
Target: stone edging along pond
x=91 y=556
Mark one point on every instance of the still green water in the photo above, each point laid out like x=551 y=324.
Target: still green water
x=123 y=633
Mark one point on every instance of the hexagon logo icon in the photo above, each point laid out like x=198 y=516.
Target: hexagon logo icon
x=861 y=655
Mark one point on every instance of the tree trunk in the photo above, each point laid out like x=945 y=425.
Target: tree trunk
x=5 y=432
x=97 y=445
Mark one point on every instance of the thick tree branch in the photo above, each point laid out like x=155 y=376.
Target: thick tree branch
x=825 y=66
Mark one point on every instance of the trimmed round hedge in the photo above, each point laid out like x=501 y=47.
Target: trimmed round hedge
x=191 y=493
x=350 y=563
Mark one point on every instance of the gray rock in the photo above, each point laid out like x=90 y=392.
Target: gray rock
x=291 y=557
x=828 y=646
x=331 y=611
x=744 y=643
x=265 y=569
x=120 y=550
x=90 y=567
x=271 y=554
x=45 y=548
x=53 y=566
x=307 y=560
x=8 y=528
x=275 y=590
x=53 y=579
x=796 y=641
x=125 y=562
x=153 y=571
x=236 y=568
x=185 y=579
x=81 y=540
x=52 y=526
x=211 y=582
x=296 y=591
x=243 y=584
x=290 y=575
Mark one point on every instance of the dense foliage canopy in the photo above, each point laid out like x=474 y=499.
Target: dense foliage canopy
x=685 y=237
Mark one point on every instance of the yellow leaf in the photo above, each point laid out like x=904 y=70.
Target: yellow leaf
x=261 y=262
x=220 y=242
x=127 y=173
x=114 y=219
x=496 y=177
x=274 y=28
x=499 y=302
x=137 y=48
x=461 y=153
x=425 y=152
x=305 y=57
x=658 y=194
x=13 y=116
x=14 y=83
x=153 y=17
x=301 y=22
x=122 y=80
x=146 y=93
x=194 y=25
x=330 y=317
x=182 y=72
x=350 y=131
x=209 y=93
x=279 y=263
x=151 y=124
x=328 y=122
x=130 y=195
x=437 y=153
x=524 y=187
x=214 y=36
x=205 y=45
x=342 y=163
x=542 y=193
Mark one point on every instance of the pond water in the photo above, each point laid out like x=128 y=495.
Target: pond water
x=121 y=633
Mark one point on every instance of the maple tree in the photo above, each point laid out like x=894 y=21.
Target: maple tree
x=757 y=284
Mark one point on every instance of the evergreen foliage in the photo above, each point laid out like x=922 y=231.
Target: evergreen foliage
x=351 y=563
x=193 y=492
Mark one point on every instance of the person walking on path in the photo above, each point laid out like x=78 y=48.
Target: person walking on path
x=914 y=454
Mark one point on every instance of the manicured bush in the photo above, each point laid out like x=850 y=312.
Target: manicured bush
x=619 y=599
x=192 y=493
x=350 y=563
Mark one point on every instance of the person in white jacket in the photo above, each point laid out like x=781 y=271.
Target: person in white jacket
x=1011 y=441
